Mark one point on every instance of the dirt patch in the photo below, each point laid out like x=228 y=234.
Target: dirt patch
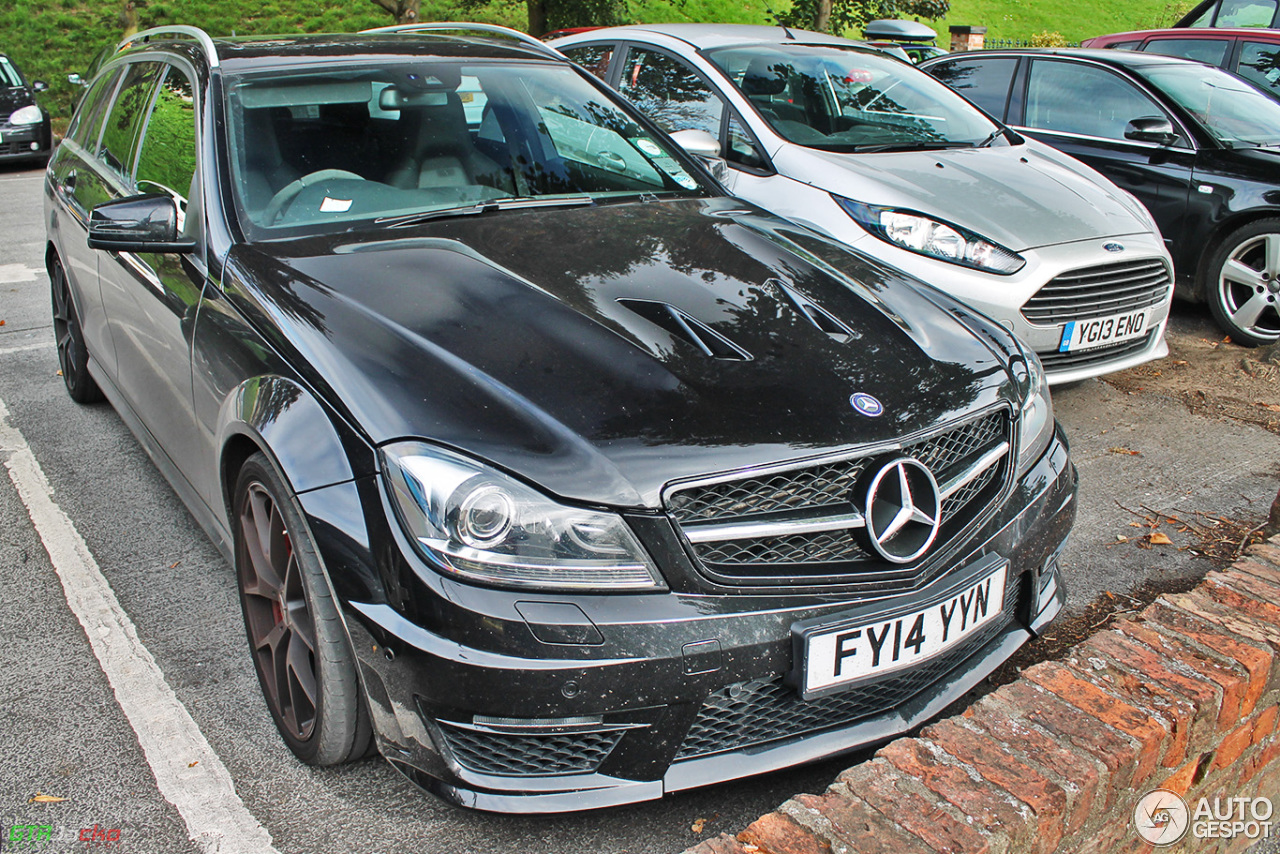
x=1209 y=373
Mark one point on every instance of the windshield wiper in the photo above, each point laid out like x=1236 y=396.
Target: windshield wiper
x=920 y=145
x=489 y=206
x=986 y=143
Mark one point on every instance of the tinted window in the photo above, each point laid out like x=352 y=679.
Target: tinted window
x=1245 y=13
x=985 y=82
x=167 y=158
x=1122 y=45
x=670 y=93
x=1260 y=63
x=124 y=122
x=1212 y=51
x=88 y=118
x=9 y=76
x=593 y=57
x=1083 y=99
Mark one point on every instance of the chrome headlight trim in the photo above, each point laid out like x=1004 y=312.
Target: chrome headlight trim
x=934 y=238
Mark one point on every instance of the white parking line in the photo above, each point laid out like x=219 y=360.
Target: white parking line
x=23 y=348
x=188 y=773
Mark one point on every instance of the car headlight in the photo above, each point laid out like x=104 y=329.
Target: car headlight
x=476 y=523
x=1035 y=428
x=28 y=115
x=927 y=236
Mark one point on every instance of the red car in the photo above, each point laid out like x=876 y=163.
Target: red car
x=1251 y=53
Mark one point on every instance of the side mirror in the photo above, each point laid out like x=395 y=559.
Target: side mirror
x=147 y=223
x=705 y=147
x=1155 y=129
x=39 y=86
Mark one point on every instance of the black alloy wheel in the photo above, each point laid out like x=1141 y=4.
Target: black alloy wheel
x=1244 y=283
x=73 y=355
x=302 y=655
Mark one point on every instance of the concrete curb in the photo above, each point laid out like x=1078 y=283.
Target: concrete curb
x=1183 y=697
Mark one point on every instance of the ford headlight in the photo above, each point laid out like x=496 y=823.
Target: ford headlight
x=28 y=115
x=927 y=236
x=1035 y=427
x=476 y=523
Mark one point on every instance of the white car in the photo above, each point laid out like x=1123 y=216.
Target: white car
x=879 y=155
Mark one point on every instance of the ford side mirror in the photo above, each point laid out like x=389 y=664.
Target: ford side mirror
x=705 y=147
x=1155 y=129
x=147 y=223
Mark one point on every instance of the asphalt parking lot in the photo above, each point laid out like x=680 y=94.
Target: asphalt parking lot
x=64 y=731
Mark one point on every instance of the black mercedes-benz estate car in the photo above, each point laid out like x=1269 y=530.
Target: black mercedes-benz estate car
x=546 y=468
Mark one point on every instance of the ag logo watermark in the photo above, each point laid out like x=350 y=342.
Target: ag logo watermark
x=1163 y=818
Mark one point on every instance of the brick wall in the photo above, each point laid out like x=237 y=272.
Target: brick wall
x=1183 y=697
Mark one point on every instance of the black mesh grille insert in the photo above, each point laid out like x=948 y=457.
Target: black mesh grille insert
x=748 y=714
x=1055 y=361
x=1099 y=292
x=528 y=755
x=833 y=487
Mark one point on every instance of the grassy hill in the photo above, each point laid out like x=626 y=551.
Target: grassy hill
x=52 y=38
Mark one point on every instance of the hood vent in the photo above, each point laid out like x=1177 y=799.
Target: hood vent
x=683 y=326
x=818 y=316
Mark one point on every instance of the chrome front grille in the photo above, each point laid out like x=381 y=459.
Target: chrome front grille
x=1101 y=291
x=803 y=523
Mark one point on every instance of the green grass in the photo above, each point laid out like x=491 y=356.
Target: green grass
x=52 y=38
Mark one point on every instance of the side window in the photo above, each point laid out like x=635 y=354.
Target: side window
x=670 y=93
x=88 y=119
x=1083 y=99
x=1245 y=13
x=742 y=148
x=1260 y=64
x=984 y=82
x=1123 y=45
x=1212 y=51
x=167 y=155
x=593 y=57
x=124 y=122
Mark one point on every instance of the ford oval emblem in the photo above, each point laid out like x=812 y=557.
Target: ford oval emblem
x=1113 y=247
x=866 y=404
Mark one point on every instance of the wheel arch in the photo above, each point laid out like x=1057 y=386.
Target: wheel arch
x=1209 y=247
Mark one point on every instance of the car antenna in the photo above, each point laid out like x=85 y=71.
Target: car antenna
x=790 y=35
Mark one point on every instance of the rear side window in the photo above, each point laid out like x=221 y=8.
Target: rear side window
x=1083 y=99
x=1212 y=51
x=1245 y=13
x=1260 y=64
x=670 y=92
x=124 y=122
x=985 y=82
x=593 y=57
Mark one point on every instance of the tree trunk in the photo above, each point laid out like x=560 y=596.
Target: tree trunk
x=537 y=17
x=408 y=12
x=1273 y=522
x=822 y=17
x=130 y=18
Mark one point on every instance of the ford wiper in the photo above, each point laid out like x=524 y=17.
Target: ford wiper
x=921 y=145
x=488 y=206
x=986 y=143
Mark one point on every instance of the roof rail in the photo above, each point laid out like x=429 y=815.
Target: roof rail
x=489 y=29
x=201 y=37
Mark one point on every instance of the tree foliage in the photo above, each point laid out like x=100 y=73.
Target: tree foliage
x=840 y=16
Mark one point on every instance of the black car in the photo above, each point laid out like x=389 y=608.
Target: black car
x=24 y=125
x=563 y=477
x=1197 y=145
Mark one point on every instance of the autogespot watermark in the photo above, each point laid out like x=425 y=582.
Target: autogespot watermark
x=1163 y=818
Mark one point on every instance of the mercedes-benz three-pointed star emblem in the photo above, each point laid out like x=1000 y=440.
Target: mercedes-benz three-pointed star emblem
x=903 y=510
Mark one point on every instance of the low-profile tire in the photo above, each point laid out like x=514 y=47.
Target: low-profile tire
x=304 y=661
x=73 y=355
x=1243 y=283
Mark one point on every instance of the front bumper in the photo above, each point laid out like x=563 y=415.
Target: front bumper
x=569 y=702
x=25 y=142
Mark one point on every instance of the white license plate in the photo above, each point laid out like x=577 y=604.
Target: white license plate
x=1087 y=334
x=850 y=652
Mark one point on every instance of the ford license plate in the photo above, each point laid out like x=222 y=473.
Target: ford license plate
x=839 y=654
x=1087 y=334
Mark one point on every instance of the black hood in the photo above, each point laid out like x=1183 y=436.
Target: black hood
x=570 y=346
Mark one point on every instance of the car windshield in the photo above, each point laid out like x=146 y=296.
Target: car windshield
x=9 y=76
x=1232 y=110
x=396 y=143
x=839 y=99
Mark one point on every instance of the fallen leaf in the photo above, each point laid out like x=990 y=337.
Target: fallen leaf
x=193 y=764
x=59 y=373
x=1182 y=363
x=45 y=799
x=174 y=565
x=1134 y=525
x=1159 y=539
x=1127 y=451
x=1121 y=538
x=697 y=826
x=1273 y=407
x=1 y=323
x=1142 y=543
